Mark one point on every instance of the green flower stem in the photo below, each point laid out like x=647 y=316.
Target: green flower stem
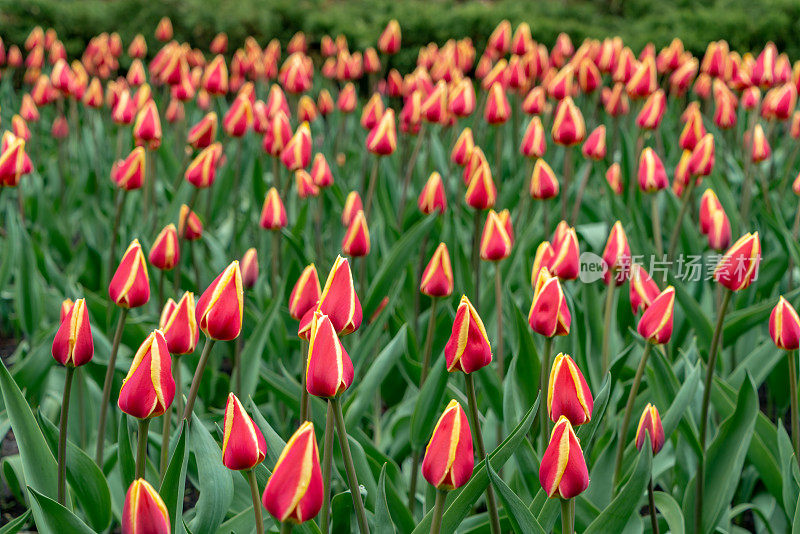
x=112 y=360
x=652 y=504
x=607 y=324
x=62 y=438
x=141 y=452
x=476 y=256
x=567 y=516
x=327 y=460
x=676 y=232
x=567 y=174
x=637 y=380
x=657 y=225
x=712 y=362
x=182 y=238
x=544 y=376
x=438 y=511
x=793 y=402
x=491 y=504
x=576 y=206
x=251 y=478
x=286 y=527
x=373 y=177
x=198 y=374
x=165 y=432
x=361 y=514
x=426 y=361
x=304 y=391
x=119 y=201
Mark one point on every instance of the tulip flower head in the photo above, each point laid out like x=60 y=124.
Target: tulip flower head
x=189 y=225
x=339 y=300
x=165 y=253
x=249 y=266
x=305 y=293
x=595 y=145
x=652 y=176
x=566 y=261
x=273 y=213
x=432 y=197
x=650 y=425
x=568 y=394
x=329 y=370
x=784 y=325
x=568 y=126
x=533 y=144
x=130 y=285
x=148 y=389
x=297 y=152
x=738 y=267
x=656 y=322
x=449 y=458
x=462 y=149
x=220 y=308
x=352 y=205
x=563 y=472
x=616 y=256
x=549 y=314
x=179 y=325
x=147 y=128
x=437 y=278
x=382 y=139
x=294 y=490
x=468 y=348
x=643 y=289
x=614 y=178
x=495 y=242
x=543 y=184
x=73 y=345
x=128 y=173
x=243 y=444
x=355 y=242
x=144 y=511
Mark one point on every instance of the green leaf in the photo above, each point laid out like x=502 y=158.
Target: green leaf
x=215 y=482
x=52 y=518
x=364 y=395
x=521 y=519
x=28 y=286
x=254 y=348
x=38 y=464
x=616 y=515
x=383 y=520
x=428 y=403
x=16 y=524
x=341 y=512
x=125 y=458
x=670 y=510
x=174 y=483
x=460 y=501
x=89 y=486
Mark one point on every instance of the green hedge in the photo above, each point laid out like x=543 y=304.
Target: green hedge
x=746 y=24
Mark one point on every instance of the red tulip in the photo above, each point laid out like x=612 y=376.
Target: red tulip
x=128 y=173
x=166 y=253
x=130 y=285
x=784 y=326
x=73 y=345
x=533 y=143
x=329 y=371
x=643 y=288
x=544 y=183
x=563 y=471
x=432 y=197
x=468 y=348
x=495 y=244
x=356 y=242
x=437 y=278
x=144 y=511
x=148 y=389
x=549 y=314
x=382 y=139
x=249 y=266
x=739 y=266
x=650 y=422
x=449 y=458
x=616 y=256
x=339 y=300
x=179 y=325
x=305 y=293
x=568 y=394
x=273 y=214
x=220 y=308
x=243 y=444
x=656 y=322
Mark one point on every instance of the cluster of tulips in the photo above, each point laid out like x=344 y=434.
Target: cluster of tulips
x=274 y=107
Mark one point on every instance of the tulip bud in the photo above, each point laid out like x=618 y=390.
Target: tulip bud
x=382 y=139
x=432 y=197
x=533 y=143
x=563 y=471
x=372 y=112
x=652 y=176
x=128 y=173
x=321 y=172
x=616 y=256
x=339 y=300
x=568 y=394
x=561 y=85
x=738 y=268
x=544 y=255
x=461 y=99
x=243 y=444
x=147 y=128
x=656 y=322
x=273 y=214
x=544 y=183
x=305 y=184
x=701 y=163
x=73 y=345
x=693 y=130
x=215 y=76
x=615 y=100
x=179 y=325
x=437 y=278
x=566 y=262
x=650 y=422
x=595 y=145
x=355 y=242
x=643 y=82
x=784 y=325
x=278 y=134
x=130 y=285
x=60 y=128
x=165 y=253
x=249 y=266
x=352 y=205
x=306 y=109
x=144 y=510
x=549 y=314
x=719 y=232
x=497 y=110
x=468 y=348
x=202 y=170
x=138 y=47
x=434 y=107
x=462 y=149
x=759 y=145
x=389 y=40
x=329 y=371
x=305 y=293
x=481 y=191
x=649 y=117
x=220 y=308
x=614 y=178
x=164 y=30
x=294 y=491
x=568 y=126
x=239 y=117
x=495 y=241
x=189 y=225
x=297 y=152
x=449 y=458
x=535 y=101
x=148 y=389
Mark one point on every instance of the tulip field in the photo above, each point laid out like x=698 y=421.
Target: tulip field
x=520 y=286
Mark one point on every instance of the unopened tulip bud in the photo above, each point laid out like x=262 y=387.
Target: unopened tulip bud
x=294 y=491
x=719 y=232
x=306 y=109
x=148 y=389
x=325 y=102
x=389 y=40
x=481 y=191
x=652 y=176
x=249 y=266
x=497 y=110
x=533 y=144
x=346 y=102
x=495 y=242
x=243 y=444
x=321 y=171
x=563 y=471
x=144 y=510
x=568 y=126
x=329 y=371
x=220 y=308
x=215 y=76
x=382 y=139
x=649 y=117
x=355 y=242
x=595 y=145
x=372 y=112
x=273 y=213
x=701 y=162
x=305 y=293
x=544 y=255
x=147 y=128
x=128 y=173
x=759 y=145
x=614 y=178
x=693 y=130
x=643 y=289
x=434 y=107
x=561 y=85
x=164 y=30
x=130 y=285
x=202 y=171
x=544 y=183
x=568 y=394
x=73 y=345
x=549 y=314
x=656 y=322
x=189 y=225
x=566 y=262
x=449 y=458
x=462 y=149
x=643 y=82
x=138 y=47
x=60 y=129
x=437 y=278
x=165 y=253
x=179 y=325
x=738 y=268
x=305 y=184
x=650 y=424
x=616 y=256
x=461 y=99
x=615 y=100
x=339 y=300
x=297 y=152
x=239 y=117
x=432 y=197
x=278 y=134
x=784 y=325
x=468 y=348
x=535 y=101
x=352 y=205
